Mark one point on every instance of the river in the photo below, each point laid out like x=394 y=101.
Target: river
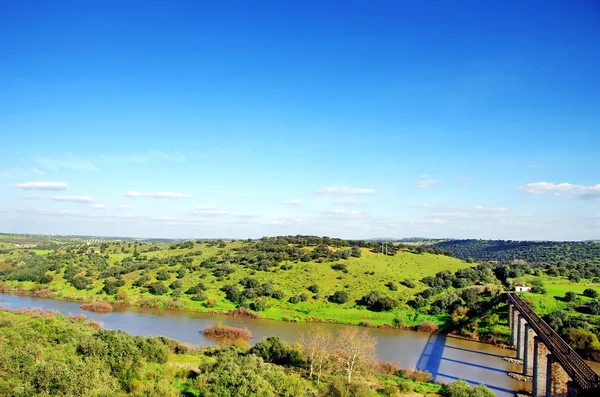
x=447 y=357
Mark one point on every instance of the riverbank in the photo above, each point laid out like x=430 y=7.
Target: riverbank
x=446 y=357
x=359 y=317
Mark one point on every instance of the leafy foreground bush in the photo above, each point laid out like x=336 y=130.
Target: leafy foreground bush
x=46 y=354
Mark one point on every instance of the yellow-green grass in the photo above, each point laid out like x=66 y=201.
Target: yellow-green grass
x=403 y=265
x=556 y=287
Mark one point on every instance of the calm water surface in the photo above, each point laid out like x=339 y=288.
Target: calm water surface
x=447 y=357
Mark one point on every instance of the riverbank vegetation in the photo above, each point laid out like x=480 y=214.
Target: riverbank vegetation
x=48 y=354
x=321 y=279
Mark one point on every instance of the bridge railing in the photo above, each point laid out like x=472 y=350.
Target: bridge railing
x=575 y=366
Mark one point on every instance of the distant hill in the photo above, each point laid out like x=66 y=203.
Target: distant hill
x=530 y=251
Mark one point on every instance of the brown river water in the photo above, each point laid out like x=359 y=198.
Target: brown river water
x=447 y=357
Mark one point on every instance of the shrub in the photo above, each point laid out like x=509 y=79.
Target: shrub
x=220 y=331
x=313 y=288
x=211 y=302
x=340 y=266
x=176 y=284
x=590 y=293
x=274 y=350
x=392 y=286
x=158 y=288
x=570 y=296
x=80 y=282
x=200 y=296
x=340 y=387
x=339 y=297
x=141 y=281
x=427 y=326
x=163 y=275
x=260 y=305
x=195 y=289
x=99 y=307
x=278 y=294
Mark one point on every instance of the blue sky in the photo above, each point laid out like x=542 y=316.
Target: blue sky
x=350 y=119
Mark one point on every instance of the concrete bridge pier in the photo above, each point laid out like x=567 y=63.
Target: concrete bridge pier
x=528 y=350
x=540 y=365
x=520 y=336
x=512 y=319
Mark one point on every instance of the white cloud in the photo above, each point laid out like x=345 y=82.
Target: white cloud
x=292 y=202
x=424 y=176
x=98 y=206
x=42 y=186
x=568 y=189
x=425 y=183
x=167 y=195
x=344 y=191
x=74 y=199
x=237 y=194
x=210 y=210
x=124 y=206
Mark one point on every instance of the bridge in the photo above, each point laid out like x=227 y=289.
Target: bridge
x=556 y=369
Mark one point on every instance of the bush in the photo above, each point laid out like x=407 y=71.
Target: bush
x=212 y=302
x=200 y=296
x=392 y=286
x=340 y=266
x=80 y=282
x=278 y=294
x=427 y=326
x=570 y=296
x=195 y=289
x=163 y=275
x=176 y=284
x=220 y=331
x=460 y=388
x=274 y=350
x=339 y=387
x=339 y=297
x=313 y=288
x=158 y=288
x=99 y=307
x=260 y=305
x=590 y=293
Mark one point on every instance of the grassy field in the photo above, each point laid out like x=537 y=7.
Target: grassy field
x=370 y=272
x=556 y=287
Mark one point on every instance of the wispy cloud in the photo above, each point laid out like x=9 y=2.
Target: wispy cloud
x=74 y=199
x=68 y=162
x=292 y=202
x=343 y=213
x=124 y=206
x=210 y=210
x=567 y=189
x=98 y=206
x=349 y=203
x=166 y=195
x=42 y=186
x=97 y=163
x=344 y=191
x=425 y=183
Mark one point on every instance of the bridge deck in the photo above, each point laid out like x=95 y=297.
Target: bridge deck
x=575 y=366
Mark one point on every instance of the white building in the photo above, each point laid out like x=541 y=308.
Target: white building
x=522 y=288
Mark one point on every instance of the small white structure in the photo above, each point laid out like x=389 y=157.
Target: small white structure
x=522 y=288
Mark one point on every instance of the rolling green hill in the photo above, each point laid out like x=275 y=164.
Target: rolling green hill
x=129 y=271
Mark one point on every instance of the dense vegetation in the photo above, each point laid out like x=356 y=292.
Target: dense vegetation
x=305 y=278
x=46 y=354
x=534 y=252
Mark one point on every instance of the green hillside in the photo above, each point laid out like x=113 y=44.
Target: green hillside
x=130 y=271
